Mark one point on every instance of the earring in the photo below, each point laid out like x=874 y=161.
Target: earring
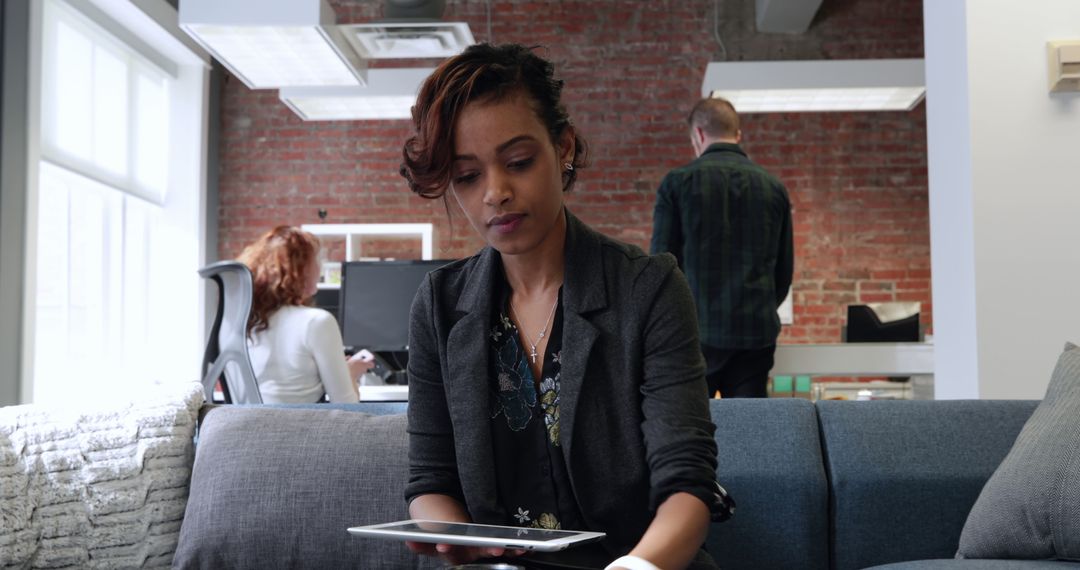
x=568 y=166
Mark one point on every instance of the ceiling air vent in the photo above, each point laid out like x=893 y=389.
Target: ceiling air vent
x=408 y=40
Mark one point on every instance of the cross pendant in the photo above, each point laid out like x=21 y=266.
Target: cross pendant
x=532 y=355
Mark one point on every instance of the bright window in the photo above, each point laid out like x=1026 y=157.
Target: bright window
x=118 y=216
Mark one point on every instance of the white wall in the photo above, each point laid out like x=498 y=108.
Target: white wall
x=1004 y=195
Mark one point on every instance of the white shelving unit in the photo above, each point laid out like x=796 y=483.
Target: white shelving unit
x=861 y=359
x=354 y=235
x=371 y=388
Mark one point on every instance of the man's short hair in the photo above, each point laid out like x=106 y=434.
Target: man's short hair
x=716 y=116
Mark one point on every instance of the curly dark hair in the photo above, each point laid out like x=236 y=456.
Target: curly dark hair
x=482 y=72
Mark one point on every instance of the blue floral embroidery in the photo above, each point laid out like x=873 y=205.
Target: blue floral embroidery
x=516 y=396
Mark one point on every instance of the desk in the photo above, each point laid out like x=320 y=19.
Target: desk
x=850 y=359
x=391 y=393
x=855 y=359
x=861 y=359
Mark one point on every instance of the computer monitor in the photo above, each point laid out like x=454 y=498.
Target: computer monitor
x=376 y=297
x=884 y=322
x=328 y=299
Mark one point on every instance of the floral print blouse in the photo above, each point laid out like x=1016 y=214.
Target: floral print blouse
x=532 y=480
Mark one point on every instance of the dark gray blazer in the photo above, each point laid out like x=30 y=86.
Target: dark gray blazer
x=633 y=407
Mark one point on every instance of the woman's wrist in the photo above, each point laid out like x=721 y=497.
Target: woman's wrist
x=631 y=562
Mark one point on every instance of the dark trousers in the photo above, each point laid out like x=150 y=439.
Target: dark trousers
x=738 y=373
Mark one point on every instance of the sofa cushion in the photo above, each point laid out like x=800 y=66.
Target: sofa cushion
x=1030 y=508
x=277 y=488
x=769 y=460
x=904 y=474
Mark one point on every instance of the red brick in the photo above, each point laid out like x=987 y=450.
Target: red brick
x=921 y=284
x=888 y=274
x=632 y=69
x=865 y=286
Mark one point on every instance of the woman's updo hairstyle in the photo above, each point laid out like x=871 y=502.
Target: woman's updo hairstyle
x=487 y=73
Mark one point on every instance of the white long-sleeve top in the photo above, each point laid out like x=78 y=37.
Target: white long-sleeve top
x=299 y=356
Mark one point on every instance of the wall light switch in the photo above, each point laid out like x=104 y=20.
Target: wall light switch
x=1063 y=58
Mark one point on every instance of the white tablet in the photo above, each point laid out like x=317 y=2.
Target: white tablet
x=468 y=534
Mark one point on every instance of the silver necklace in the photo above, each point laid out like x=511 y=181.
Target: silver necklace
x=543 y=331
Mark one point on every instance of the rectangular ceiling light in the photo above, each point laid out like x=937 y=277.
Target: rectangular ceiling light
x=389 y=94
x=271 y=44
x=408 y=40
x=814 y=86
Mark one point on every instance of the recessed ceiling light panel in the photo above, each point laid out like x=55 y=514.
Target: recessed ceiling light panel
x=273 y=44
x=817 y=86
x=389 y=94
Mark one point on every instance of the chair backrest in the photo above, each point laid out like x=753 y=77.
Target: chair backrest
x=226 y=357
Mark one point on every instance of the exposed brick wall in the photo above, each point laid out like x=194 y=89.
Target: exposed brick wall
x=859 y=194
x=633 y=68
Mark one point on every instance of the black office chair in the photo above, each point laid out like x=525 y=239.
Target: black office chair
x=226 y=357
x=883 y=322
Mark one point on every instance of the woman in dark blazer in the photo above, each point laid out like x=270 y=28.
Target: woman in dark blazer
x=555 y=378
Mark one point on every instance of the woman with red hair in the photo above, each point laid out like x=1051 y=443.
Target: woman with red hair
x=296 y=350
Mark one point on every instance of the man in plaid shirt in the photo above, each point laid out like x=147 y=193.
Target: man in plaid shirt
x=728 y=222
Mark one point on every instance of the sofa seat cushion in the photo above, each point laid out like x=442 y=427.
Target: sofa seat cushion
x=1030 y=507
x=277 y=488
x=952 y=564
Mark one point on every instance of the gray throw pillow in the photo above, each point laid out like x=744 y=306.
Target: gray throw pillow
x=1030 y=507
x=277 y=488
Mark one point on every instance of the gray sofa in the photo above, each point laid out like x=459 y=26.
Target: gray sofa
x=840 y=485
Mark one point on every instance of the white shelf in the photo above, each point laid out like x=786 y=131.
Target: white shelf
x=355 y=233
x=855 y=359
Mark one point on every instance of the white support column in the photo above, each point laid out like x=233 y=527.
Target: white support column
x=1004 y=195
x=948 y=131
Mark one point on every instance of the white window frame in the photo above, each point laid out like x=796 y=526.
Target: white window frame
x=140 y=58
x=149 y=27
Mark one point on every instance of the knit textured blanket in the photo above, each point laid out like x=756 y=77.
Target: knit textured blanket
x=96 y=489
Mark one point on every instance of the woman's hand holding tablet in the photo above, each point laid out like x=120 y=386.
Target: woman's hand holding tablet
x=454 y=554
